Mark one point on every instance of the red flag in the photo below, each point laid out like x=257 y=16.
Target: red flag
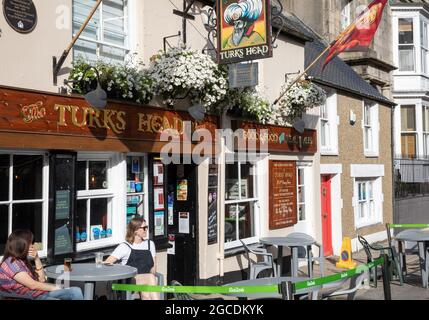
x=359 y=35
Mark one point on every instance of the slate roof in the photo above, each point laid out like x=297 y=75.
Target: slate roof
x=337 y=73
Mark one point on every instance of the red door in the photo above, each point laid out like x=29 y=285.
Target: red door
x=326 y=215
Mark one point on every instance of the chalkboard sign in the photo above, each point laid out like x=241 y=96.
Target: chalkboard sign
x=62 y=207
x=21 y=15
x=63 y=243
x=282 y=200
x=212 y=204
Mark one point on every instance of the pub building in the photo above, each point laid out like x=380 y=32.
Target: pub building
x=75 y=176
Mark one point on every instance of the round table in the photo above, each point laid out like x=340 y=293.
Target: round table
x=422 y=239
x=267 y=282
x=293 y=242
x=90 y=274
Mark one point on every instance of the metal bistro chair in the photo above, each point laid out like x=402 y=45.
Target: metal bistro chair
x=395 y=265
x=304 y=252
x=257 y=267
x=403 y=250
x=187 y=296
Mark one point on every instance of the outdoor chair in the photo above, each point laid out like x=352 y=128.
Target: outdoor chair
x=403 y=251
x=336 y=290
x=303 y=253
x=131 y=295
x=257 y=267
x=395 y=266
x=187 y=296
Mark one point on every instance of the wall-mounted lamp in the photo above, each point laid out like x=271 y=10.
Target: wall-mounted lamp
x=96 y=98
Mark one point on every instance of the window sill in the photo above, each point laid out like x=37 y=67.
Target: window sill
x=231 y=252
x=95 y=244
x=369 y=154
x=368 y=224
x=329 y=153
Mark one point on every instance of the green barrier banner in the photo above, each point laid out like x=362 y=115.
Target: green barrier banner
x=197 y=289
x=409 y=226
x=247 y=289
x=337 y=277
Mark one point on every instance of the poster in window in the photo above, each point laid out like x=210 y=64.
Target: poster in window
x=158 y=199
x=184 y=222
x=136 y=165
x=283 y=195
x=170 y=203
x=159 y=223
x=232 y=191
x=158 y=174
x=182 y=190
x=212 y=222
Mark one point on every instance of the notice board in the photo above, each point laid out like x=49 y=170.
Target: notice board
x=283 y=193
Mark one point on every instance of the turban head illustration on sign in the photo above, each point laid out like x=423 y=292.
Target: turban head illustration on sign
x=243 y=16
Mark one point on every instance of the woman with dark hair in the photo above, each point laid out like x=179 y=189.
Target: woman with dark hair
x=139 y=253
x=20 y=277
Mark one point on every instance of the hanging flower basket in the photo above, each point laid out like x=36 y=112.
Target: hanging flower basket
x=181 y=72
x=126 y=81
x=301 y=97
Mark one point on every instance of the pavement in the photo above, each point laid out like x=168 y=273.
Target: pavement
x=411 y=289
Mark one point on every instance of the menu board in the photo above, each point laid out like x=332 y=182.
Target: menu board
x=282 y=194
x=212 y=204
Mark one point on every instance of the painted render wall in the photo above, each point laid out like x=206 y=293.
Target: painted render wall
x=351 y=151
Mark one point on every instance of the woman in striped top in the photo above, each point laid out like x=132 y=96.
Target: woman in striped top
x=19 y=277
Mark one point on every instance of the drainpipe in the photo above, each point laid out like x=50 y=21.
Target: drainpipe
x=392 y=144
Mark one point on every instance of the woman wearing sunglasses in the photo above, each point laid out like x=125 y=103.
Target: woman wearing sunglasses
x=139 y=253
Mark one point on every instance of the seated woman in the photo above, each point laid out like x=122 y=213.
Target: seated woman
x=18 y=276
x=140 y=254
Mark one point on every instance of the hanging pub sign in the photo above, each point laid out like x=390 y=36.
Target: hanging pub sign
x=244 y=30
x=21 y=15
x=283 y=201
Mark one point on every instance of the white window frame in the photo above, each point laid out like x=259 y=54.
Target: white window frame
x=373 y=203
x=100 y=31
x=371 y=128
x=415 y=132
x=413 y=45
x=332 y=121
x=44 y=200
x=346 y=18
x=303 y=186
x=108 y=193
x=425 y=130
x=424 y=46
x=254 y=200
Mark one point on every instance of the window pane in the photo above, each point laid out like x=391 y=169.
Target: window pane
x=135 y=166
x=408 y=118
x=406 y=31
x=368 y=138
x=4 y=177
x=325 y=133
x=409 y=145
x=98 y=175
x=231 y=176
x=424 y=60
x=246 y=222
x=424 y=34
x=28 y=216
x=246 y=181
x=4 y=223
x=425 y=119
x=27 y=177
x=99 y=216
x=81 y=175
x=81 y=220
x=230 y=222
x=301 y=212
x=406 y=58
x=367 y=116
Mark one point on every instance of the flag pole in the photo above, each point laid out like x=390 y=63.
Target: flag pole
x=302 y=74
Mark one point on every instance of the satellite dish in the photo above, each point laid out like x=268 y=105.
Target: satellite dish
x=197 y=112
x=97 y=98
x=299 y=125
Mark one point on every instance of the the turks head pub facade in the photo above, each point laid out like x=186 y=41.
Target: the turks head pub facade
x=75 y=175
